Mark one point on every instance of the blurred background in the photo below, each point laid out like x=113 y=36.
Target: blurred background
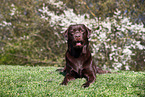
x=31 y=31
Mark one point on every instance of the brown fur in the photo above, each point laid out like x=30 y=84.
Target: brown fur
x=79 y=62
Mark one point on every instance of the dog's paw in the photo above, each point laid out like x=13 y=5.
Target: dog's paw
x=63 y=83
x=85 y=85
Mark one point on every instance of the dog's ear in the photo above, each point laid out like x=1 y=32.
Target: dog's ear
x=89 y=32
x=66 y=34
x=84 y=49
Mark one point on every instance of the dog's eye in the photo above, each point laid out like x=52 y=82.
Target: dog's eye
x=82 y=31
x=71 y=33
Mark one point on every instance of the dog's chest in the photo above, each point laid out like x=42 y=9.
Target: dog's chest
x=79 y=67
x=79 y=64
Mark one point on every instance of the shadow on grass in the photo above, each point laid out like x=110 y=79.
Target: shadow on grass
x=61 y=71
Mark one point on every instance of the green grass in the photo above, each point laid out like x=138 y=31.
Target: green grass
x=24 y=81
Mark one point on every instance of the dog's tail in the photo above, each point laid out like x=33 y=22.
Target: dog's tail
x=100 y=71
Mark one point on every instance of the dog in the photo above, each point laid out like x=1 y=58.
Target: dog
x=79 y=62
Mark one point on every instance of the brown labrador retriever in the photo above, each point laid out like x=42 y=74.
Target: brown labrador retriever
x=79 y=62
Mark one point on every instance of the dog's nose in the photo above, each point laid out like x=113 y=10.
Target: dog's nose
x=77 y=35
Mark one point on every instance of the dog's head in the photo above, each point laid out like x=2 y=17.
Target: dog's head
x=77 y=35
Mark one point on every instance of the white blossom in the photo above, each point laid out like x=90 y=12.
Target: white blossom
x=13 y=10
x=127 y=51
x=102 y=34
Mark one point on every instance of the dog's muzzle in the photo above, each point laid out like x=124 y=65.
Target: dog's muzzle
x=78 y=39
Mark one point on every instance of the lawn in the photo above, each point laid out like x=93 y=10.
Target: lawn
x=24 y=81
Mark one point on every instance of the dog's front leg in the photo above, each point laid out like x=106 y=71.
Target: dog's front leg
x=67 y=78
x=90 y=79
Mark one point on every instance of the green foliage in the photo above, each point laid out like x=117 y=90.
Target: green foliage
x=28 y=38
x=44 y=81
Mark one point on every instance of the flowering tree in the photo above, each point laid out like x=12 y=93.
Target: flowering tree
x=114 y=40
